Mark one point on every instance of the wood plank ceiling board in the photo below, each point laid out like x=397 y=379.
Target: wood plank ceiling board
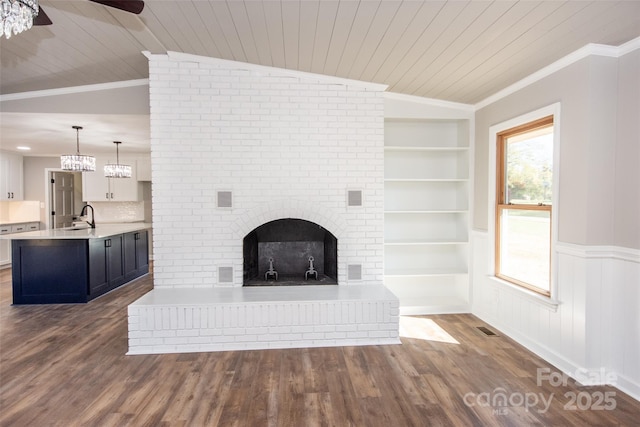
x=308 y=26
x=403 y=19
x=425 y=26
x=493 y=38
x=242 y=24
x=92 y=37
x=341 y=29
x=110 y=42
x=552 y=38
x=385 y=14
x=217 y=42
x=454 y=50
x=158 y=18
x=360 y=28
x=228 y=32
x=453 y=19
x=195 y=29
x=433 y=62
x=260 y=32
x=496 y=55
x=326 y=18
x=275 y=32
x=291 y=33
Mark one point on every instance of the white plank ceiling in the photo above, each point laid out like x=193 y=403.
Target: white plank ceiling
x=462 y=51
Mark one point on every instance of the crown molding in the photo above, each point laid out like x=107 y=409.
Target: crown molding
x=74 y=89
x=584 y=52
x=428 y=101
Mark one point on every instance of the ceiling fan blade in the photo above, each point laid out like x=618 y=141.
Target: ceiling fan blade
x=42 y=18
x=132 y=6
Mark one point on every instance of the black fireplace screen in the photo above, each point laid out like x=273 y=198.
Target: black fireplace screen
x=290 y=252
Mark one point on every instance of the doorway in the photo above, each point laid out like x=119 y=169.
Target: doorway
x=65 y=196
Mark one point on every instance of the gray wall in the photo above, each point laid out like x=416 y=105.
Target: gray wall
x=626 y=225
x=594 y=182
x=34 y=180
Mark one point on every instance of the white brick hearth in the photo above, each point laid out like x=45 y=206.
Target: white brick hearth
x=274 y=144
x=253 y=318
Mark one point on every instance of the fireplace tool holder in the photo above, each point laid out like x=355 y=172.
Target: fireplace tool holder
x=271 y=272
x=311 y=271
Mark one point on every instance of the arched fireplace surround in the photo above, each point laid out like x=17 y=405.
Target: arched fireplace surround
x=290 y=251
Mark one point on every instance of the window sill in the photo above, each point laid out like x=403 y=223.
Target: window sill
x=541 y=300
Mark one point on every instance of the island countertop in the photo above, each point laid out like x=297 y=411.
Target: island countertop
x=101 y=231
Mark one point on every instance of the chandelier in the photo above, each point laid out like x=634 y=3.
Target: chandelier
x=17 y=16
x=77 y=162
x=117 y=170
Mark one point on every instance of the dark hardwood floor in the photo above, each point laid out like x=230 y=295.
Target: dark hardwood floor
x=65 y=365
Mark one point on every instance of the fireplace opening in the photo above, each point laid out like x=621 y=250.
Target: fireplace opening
x=288 y=252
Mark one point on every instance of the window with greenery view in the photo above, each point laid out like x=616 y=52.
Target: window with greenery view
x=523 y=209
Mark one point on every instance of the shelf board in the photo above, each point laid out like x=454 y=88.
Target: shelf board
x=426 y=179
x=432 y=211
x=424 y=272
x=411 y=148
x=413 y=242
x=433 y=305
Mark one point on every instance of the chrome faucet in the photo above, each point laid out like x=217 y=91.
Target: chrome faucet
x=93 y=215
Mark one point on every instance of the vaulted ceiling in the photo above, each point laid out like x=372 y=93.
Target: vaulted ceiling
x=462 y=51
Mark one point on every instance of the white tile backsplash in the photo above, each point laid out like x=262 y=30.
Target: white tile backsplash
x=19 y=211
x=119 y=211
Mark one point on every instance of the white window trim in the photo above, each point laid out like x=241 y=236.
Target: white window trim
x=551 y=110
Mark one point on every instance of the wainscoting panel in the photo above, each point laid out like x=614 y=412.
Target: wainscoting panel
x=589 y=330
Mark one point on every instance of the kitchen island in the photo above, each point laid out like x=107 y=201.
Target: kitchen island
x=76 y=265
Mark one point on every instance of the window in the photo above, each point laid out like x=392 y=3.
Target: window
x=524 y=197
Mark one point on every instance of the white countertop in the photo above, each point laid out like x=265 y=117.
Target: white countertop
x=101 y=230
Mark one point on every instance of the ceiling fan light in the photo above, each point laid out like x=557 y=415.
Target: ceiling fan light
x=117 y=170
x=77 y=162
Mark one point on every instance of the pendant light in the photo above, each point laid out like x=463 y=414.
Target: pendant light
x=116 y=170
x=77 y=162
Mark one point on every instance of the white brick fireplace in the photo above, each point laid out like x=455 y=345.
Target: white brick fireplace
x=234 y=146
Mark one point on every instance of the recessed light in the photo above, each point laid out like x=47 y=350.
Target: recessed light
x=23 y=148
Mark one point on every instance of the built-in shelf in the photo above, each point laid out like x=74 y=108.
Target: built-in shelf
x=425 y=272
x=427 y=214
x=418 y=242
x=404 y=148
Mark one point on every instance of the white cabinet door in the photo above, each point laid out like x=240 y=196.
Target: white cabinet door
x=125 y=189
x=11 y=185
x=95 y=186
x=143 y=165
x=98 y=188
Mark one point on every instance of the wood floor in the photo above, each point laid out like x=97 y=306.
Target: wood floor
x=65 y=365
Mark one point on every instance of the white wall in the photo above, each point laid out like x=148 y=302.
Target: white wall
x=285 y=144
x=596 y=324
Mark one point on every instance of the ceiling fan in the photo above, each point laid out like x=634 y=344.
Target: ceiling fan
x=132 y=6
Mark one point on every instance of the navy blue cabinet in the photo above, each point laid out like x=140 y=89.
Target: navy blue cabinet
x=136 y=254
x=53 y=271
x=106 y=264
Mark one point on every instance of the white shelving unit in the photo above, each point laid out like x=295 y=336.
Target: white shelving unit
x=427 y=214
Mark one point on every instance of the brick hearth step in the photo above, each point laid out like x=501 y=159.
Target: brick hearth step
x=170 y=320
